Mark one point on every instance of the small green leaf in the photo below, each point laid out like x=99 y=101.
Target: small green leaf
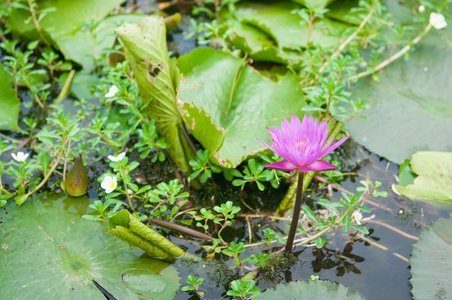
x=310 y=214
x=347 y=223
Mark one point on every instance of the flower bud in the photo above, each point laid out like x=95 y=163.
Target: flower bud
x=77 y=180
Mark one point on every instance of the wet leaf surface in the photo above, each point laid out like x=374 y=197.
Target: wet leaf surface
x=49 y=253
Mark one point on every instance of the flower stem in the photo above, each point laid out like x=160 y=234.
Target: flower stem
x=296 y=214
x=128 y=196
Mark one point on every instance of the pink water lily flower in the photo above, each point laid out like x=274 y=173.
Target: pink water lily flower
x=301 y=144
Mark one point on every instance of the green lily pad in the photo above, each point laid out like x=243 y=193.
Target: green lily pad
x=48 y=253
x=411 y=104
x=345 y=11
x=316 y=4
x=286 y=28
x=82 y=84
x=10 y=104
x=435 y=177
x=271 y=32
x=237 y=103
x=67 y=16
x=406 y=175
x=314 y=289
x=65 y=22
x=78 y=45
x=431 y=265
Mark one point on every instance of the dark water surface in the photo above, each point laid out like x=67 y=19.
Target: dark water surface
x=367 y=269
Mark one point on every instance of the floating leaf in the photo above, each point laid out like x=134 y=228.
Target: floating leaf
x=316 y=289
x=431 y=265
x=84 y=47
x=406 y=175
x=10 y=105
x=316 y=4
x=260 y=27
x=411 y=104
x=82 y=84
x=67 y=16
x=235 y=102
x=68 y=26
x=48 y=253
x=435 y=177
x=345 y=11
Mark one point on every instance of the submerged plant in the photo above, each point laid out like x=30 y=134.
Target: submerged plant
x=303 y=145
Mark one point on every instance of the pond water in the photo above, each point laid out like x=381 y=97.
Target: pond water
x=371 y=271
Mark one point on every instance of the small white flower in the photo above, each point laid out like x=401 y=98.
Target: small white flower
x=358 y=217
x=112 y=92
x=117 y=158
x=20 y=156
x=437 y=20
x=109 y=184
x=421 y=8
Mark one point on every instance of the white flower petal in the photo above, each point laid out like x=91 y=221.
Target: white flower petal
x=20 y=156
x=121 y=155
x=113 y=158
x=109 y=184
x=357 y=216
x=117 y=158
x=437 y=20
x=112 y=92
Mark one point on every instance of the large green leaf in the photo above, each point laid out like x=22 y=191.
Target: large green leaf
x=158 y=81
x=48 y=253
x=411 y=104
x=431 y=264
x=65 y=23
x=79 y=45
x=316 y=4
x=314 y=289
x=435 y=177
x=10 y=105
x=68 y=16
x=270 y=31
x=235 y=102
x=287 y=29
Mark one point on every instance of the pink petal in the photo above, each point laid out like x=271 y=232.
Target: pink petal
x=269 y=147
x=282 y=165
x=303 y=169
x=319 y=165
x=327 y=151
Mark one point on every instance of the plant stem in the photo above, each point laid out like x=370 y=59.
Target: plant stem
x=348 y=40
x=31 y=89
x=35 y=20
x=108 y=142
x=396 y=56
x=128 y=196
x=66 y=88
x=55 y=165
x=296 y=215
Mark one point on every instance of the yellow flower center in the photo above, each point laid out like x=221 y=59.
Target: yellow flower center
x=112 y=185
x=301 y=145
